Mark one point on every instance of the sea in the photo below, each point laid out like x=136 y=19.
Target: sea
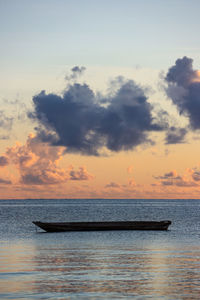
x=99 y=264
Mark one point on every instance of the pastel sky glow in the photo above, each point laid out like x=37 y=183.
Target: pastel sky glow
x=99 y=99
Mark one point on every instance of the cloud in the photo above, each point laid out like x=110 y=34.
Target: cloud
x=85 y=123
x=171 y=174
x=81 y=174
x=3 y=161
x=130 y=169
x=131 y=182
x=195 y=173
x=37 y=163
x=4 y=181
x=173 y=179
x=17 y=108
x=185 y=183
x=75 y=73
x=167 y=182
x=4 y=137
x=112 y=185
x=182 y=72
x=183 y=87
x=175 y=135
x=5 y=122
x=123 y=187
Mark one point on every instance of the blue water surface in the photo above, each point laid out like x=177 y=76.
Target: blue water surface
x=102 y=264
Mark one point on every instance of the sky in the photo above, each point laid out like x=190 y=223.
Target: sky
x=99 y=99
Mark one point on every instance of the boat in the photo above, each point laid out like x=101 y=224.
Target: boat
x=111 y=225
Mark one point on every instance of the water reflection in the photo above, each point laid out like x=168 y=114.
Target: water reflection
x=15 y=270
x=98 y=272
x=120 y=271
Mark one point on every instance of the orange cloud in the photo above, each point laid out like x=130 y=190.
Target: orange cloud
x=81 y=174
x=37 y=163
x=196 y=77
x=173 y=179
x=195 y=173
x=132 y=182
x=130 y=169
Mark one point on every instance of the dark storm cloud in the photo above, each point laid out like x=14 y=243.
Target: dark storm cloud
x=79 y=121
x=184 y=90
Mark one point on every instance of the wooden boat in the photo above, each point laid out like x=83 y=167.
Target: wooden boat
x=113 y=225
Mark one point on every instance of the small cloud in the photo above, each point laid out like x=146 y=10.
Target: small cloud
x=167 y=152
x=185 y=183
x=173 y=179
x=171 y=174
x=195 y=173
x=81 y=174
x=3 y=161
x=167 y=182
x=154 y=152
x=5 y=122
x=175 y=135
x=4 y=137
x=113 y=185
x=4 y=181
x=196 y=176
x=131 y=182
x=75 y=73
x=130 y=169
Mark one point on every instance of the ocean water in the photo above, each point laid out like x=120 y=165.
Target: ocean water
x=102 y=264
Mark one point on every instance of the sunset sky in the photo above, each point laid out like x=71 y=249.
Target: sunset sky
x=99 y=99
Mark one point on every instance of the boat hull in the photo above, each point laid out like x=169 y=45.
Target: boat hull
x=94 y=226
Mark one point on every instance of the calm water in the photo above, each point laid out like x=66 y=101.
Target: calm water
x=99 y=265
